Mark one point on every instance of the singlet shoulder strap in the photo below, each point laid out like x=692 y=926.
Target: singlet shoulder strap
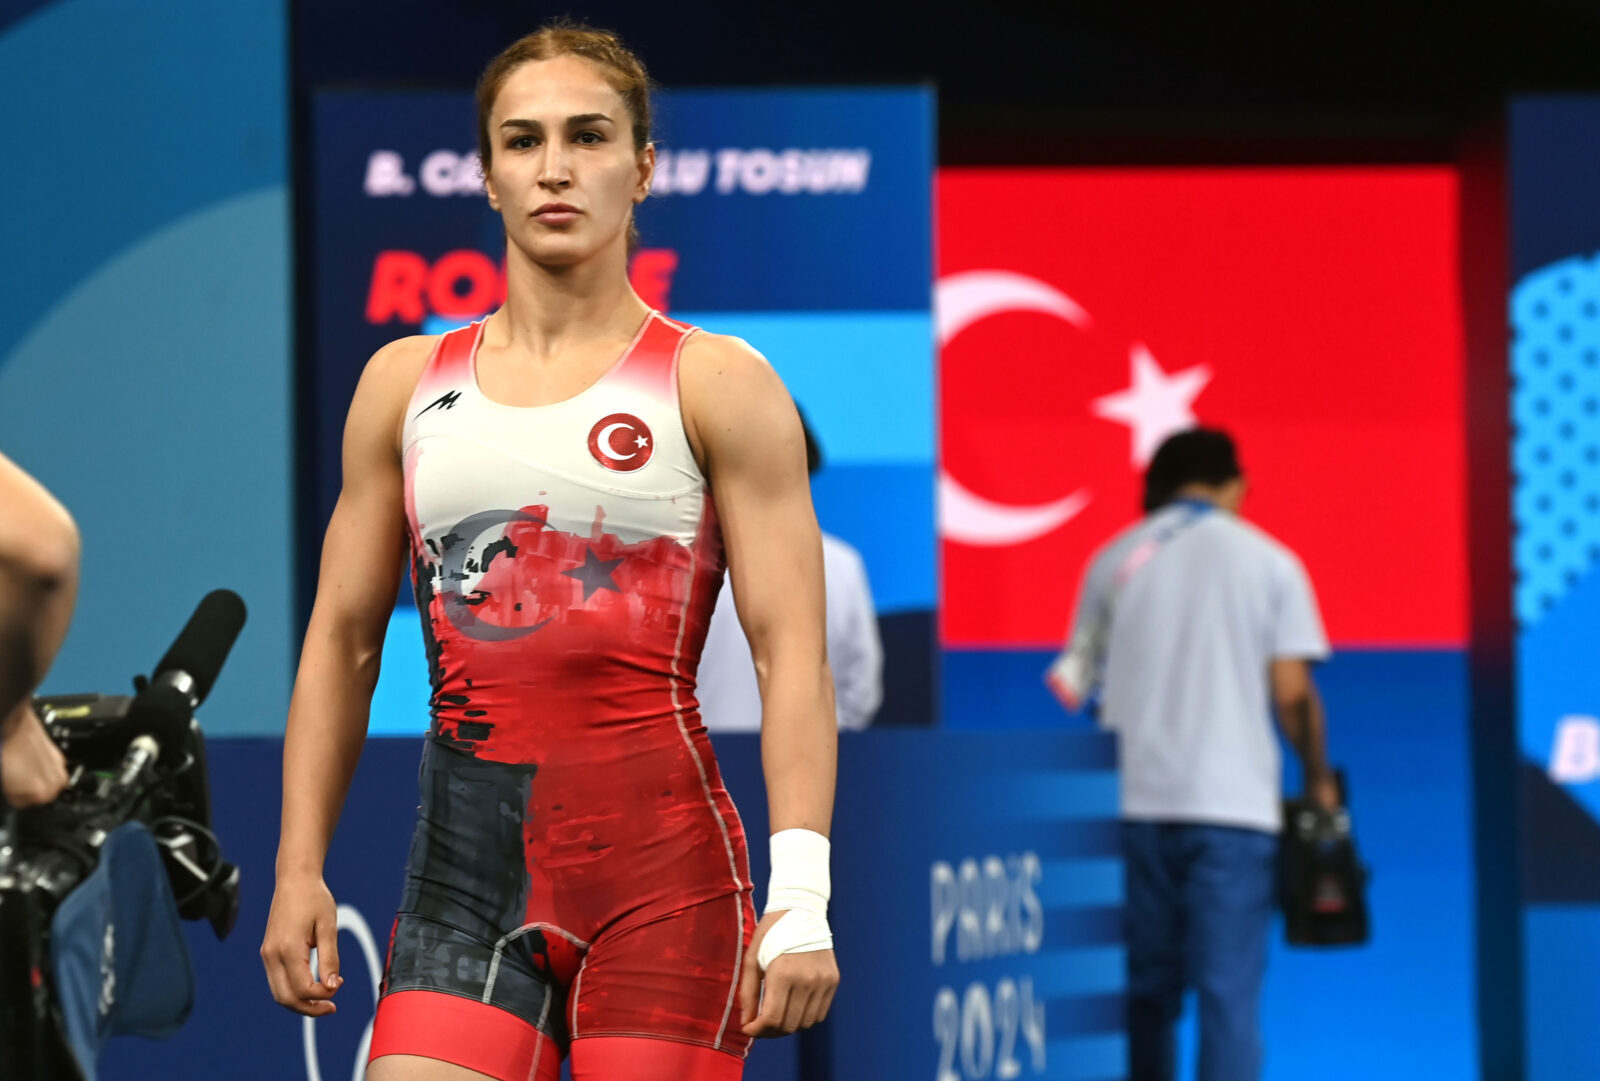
x=452 y=356
x=448 y=371
x=652 y=362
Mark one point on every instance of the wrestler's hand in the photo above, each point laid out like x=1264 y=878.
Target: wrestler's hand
x=32 y=769
x=303 y=916
x=796 y=992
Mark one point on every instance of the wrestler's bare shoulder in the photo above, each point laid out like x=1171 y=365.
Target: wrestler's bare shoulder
x=387 y=383
x=726 y=385
x=713 y=355
x=716 y=368
x=398 y=365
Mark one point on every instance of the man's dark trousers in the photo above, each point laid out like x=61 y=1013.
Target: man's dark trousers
x=1199 y=909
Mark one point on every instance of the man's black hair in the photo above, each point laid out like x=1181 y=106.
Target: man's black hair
x=1197 y=456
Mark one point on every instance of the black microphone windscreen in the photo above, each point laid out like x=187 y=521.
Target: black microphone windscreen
x=204 y=643
x=162 y=711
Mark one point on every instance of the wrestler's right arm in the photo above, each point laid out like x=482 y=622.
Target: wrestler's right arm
x=38 y=585
x=362 y=555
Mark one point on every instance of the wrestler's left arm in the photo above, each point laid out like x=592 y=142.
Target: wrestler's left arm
x=747 y=437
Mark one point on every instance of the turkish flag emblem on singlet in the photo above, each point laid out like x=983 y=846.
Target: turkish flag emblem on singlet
x=621 y=442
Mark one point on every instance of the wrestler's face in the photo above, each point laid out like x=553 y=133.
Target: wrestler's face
x=564 y=173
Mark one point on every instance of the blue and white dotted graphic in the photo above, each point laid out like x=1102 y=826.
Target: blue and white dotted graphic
x=1555 y=402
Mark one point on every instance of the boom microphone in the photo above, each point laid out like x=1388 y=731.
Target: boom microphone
x=95 y=729
x=162 y=711
x=165 y=707
x=192 y=664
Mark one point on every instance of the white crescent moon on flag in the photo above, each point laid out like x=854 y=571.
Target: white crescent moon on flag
x=971 y=519
x=603 y=441
x=959 y=301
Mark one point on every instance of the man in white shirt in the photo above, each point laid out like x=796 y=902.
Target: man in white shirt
x=730 y=700
x=1193 y=626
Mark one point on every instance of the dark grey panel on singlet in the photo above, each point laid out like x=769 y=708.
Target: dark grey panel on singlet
x=466 y=894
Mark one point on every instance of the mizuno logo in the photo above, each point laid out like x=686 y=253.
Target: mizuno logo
x=444 y=401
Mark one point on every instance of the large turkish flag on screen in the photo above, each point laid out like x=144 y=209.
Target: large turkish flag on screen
x=1313 y=313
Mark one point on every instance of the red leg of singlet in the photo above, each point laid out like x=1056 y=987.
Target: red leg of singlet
x=632 y=1058
x=467 y=1033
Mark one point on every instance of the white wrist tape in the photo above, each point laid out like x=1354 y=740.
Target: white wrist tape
x=799 y=888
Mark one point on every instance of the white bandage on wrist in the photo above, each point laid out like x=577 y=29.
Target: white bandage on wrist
x=799 y=888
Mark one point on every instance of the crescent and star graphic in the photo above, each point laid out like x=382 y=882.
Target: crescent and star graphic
x=595 y=573
x=608 y=454
x=461 y=608
x=1155 y=405
x=608 y=450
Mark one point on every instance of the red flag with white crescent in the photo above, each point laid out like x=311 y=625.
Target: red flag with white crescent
x=1313 y=313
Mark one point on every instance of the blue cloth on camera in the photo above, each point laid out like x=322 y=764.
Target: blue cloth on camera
x=117 y=952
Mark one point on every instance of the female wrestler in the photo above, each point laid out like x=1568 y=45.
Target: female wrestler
x=578 y=881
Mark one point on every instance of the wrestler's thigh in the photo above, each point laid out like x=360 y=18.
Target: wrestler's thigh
x=630 y=1058
x=416 y=1068
x=674 y=979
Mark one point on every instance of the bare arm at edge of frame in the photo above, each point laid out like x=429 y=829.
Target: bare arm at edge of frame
x=39 y=553
x=362 y=555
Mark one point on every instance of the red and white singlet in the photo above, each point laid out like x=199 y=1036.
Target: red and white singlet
x=566 y=559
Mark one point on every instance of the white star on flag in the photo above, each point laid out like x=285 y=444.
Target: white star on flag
x=641 y=442
x=1156 y=405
